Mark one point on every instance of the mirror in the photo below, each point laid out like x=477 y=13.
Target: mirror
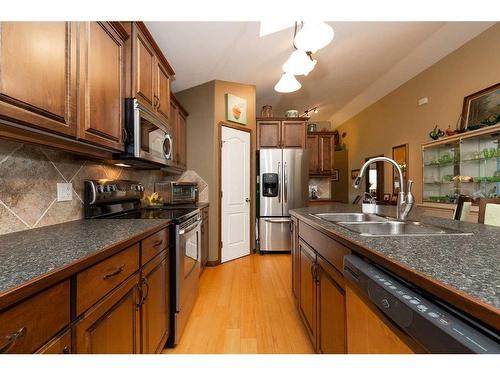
x=400 y=156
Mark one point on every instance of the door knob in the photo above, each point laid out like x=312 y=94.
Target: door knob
x=247 y=200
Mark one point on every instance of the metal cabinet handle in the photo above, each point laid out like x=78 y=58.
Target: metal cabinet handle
x=125 y=135
x=115 y=272
x=66 y=350
x=10 y=340
x=156 y=102
x=158 y=243
x=144 y=295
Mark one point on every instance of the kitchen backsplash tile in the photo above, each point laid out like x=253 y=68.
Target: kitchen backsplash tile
x=322 y=185
x=28 y=177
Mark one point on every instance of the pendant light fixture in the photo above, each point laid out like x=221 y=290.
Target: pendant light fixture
x=287 y=83
x=299 y=63
x=313 y=36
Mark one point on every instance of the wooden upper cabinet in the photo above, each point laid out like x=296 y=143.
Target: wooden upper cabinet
x=269 y=134
x=162 y=92
x=293 y=134
x=102 y=88
x=312 y=146
x=144 y=66
x=38 y=74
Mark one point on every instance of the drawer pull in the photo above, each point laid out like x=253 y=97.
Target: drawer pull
x=10 y=340
x=158 y=243
x=115 y=272
x=145 y=292
x=66 y=350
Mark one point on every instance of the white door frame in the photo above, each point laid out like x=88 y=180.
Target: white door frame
x=250 y=191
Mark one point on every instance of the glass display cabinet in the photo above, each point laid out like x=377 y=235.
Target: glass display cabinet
x=467 y=163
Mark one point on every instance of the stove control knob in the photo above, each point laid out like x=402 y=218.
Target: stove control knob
x=100 y=189
x=107 y=188
x=113 y=188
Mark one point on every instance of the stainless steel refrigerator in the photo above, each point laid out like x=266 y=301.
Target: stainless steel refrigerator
x=283 y=185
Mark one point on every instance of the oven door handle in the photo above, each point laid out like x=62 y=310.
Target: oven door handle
x=190 y=228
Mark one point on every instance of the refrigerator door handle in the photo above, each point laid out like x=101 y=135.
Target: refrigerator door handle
x=277 y=221
x=285 y=180
x=279 y=182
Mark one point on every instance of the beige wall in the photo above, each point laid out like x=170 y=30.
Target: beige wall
x=397 y=119
x=206 y=106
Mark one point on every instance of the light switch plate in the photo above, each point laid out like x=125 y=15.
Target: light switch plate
x=64 y=192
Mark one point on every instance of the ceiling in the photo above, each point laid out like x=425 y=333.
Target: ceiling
x=365 y=61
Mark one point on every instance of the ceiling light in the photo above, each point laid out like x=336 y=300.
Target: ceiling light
x=313 y=36
x=287 y=83
x=299 y=63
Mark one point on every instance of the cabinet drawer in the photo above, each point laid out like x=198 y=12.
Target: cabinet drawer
x=28 y=325
x=96 y=281
x=153 y=245
x=328 y=248
x=59 y=345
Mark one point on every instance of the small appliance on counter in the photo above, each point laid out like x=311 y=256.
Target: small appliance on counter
x=121 y=199
x=172 y=192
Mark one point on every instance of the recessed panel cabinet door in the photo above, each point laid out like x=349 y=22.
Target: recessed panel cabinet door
x=312 y=146
x=112 y=326
x=38 y=74
x=269 y=134
x=144 y=65
x=163 y=93
x=155 y=308
x=307 y=298
x=182 y=139
x=293 y=134
x=101 y=84
x=326 y=148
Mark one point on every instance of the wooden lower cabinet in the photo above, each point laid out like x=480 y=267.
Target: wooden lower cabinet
x=368 y=331
x=59 y=345
x=308 y=295
x=155 y=308
x=331 y=311
x=113 y=325
x=205 y=242
x=295 y=259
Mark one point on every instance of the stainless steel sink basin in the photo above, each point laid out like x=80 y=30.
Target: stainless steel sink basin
x=398 y=228
x=349 y=217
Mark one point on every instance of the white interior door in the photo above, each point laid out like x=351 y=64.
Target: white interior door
x=235 y=169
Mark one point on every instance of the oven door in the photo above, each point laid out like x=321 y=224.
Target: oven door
x=187 y=275
x=152 y=141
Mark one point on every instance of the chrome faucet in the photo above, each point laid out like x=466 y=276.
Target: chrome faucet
x=405 y=202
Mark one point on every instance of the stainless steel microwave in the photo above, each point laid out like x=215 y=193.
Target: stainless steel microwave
x=147 y=140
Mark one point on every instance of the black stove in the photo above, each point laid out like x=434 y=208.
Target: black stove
x=121 y=199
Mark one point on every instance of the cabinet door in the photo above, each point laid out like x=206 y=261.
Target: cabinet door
x=182 y=139
x=312 y=146
x=307 y=297
x=101 y=84
x=295 y=259
x=156 y=303
x=205 y=242
x=331 y=311
x=269 y=134
x=293 y=134
x=144 y=70
x=325 y=159
x=112 y=326
x=38 y=74
x=60 y=345
x=174 y=132
x=162 y=92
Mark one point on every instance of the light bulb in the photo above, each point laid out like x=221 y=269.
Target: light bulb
x=313 y=36
x=287 y=83
x=299 y=63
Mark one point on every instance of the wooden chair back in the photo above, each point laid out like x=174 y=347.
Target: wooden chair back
x=489 y=211
x=462 y=209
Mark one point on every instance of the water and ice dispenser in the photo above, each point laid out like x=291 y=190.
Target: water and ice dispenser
x=269 y=184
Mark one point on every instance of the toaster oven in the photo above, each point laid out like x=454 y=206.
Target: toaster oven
x=177 y=192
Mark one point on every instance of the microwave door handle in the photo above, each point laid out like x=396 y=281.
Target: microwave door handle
x=279 y=182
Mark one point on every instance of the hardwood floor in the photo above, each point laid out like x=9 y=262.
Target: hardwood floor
x=246 y=306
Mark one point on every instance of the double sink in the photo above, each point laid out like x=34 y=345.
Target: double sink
x=377 y=225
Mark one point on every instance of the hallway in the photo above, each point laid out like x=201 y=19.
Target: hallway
x=246 y=306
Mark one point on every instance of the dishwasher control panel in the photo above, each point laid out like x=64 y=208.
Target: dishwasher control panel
x=434 y=328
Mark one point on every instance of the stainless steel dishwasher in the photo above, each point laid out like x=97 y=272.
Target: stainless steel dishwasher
x=435 y=326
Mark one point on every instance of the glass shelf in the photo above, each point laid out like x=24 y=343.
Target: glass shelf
x=477 y=156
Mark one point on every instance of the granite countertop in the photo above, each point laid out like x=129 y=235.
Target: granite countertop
x=33 y=253
x=468 y=264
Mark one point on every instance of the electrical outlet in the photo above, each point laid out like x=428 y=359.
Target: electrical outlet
x=64 y=192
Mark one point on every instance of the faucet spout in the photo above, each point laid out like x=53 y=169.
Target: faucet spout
x=405 y=202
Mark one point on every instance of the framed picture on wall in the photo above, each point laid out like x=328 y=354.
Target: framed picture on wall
x=400 y=156
x=481 y=108
x=354 y=173
x=335 y=175
x=387 y=197
x=236 y=109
